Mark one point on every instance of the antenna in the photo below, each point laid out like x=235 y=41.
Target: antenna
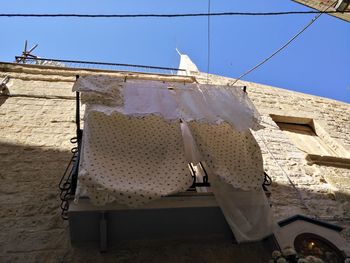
x=178 y=52
x=26 y=54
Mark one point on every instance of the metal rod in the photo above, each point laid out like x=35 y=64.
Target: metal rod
x=78 y=141
x=99 y=63
x=103 y=232
x=77 y=110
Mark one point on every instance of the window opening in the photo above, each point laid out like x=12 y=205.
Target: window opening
x=308 y=244
x=306 y=139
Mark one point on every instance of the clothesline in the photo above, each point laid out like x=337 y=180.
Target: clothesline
x=176 y=86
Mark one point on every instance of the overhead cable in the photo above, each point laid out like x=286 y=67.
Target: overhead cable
x=300 y=196
x=174 y=15
x=284 y=46
x=208 y=35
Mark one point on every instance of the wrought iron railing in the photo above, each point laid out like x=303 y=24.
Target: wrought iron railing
x=267 y=182
x=98 y=65
x=67 y=185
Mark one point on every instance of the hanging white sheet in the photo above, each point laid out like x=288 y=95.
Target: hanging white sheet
x=211 y=104
x=131 y=160
x=100 y=90
x=233 y=162
x=234 y=156
x=135 y=160
x=247 y=212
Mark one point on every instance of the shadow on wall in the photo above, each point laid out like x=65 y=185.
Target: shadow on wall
x=322 y=204
x=4 y=95
x=33 y=231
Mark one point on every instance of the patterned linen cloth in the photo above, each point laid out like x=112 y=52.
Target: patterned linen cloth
x=234 y=156
x=133 y=146
x=132 y=160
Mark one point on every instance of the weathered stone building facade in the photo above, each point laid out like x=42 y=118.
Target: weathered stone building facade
x=37 y=111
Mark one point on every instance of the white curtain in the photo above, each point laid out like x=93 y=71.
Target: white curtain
x=213 y=104
x=247 y=212
x=153 y=150
x=238 y=191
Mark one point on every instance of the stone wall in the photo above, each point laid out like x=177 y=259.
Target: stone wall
x=320 y=191
x=37 y=121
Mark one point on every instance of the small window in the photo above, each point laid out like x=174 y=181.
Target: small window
x=311 y=138
x=305 y=138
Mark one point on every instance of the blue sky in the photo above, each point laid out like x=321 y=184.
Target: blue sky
x=318 y=62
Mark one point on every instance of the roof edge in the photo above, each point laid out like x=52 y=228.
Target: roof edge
x=72 y=72
x=298 y=217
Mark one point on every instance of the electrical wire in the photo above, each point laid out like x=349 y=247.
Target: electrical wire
x=174 y=15
x=208 y=53
x=284 y=46
x=301 y=198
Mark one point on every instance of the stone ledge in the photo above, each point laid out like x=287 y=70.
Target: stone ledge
x=328 y=160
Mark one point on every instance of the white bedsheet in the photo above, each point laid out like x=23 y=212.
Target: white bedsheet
x=135 y=150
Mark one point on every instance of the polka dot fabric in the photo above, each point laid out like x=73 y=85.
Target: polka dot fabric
x=234 y=156
x=132 y=160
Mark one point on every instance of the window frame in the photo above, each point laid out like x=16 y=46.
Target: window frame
x=334 y=154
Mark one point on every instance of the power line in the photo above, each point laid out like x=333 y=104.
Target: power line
x=302 y=201
x=175 y=15
x=208 y=53
x=284 y=46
